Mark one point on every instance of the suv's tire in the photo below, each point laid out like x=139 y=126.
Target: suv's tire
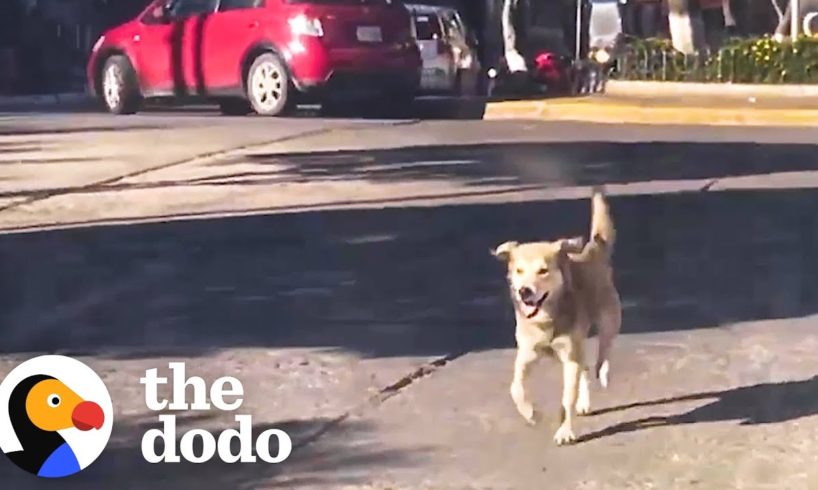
x=235 y=107
x=398 y=105
x=119 y=86
x=268 y=86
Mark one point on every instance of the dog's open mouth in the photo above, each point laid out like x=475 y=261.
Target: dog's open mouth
x=531 y=308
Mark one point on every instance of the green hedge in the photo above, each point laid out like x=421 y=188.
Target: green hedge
x=760 y=60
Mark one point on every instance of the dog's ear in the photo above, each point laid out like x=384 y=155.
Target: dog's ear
x=503 y=251
x=573 y=245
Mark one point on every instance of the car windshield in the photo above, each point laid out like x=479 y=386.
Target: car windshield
x=427 y=27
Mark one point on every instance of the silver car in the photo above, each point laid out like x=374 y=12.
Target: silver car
x=447 y=48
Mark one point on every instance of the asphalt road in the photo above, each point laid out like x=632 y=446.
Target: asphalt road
x=323 y=261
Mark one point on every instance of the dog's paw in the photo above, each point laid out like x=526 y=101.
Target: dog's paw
x=583 y=406
x=603 y=373
x=529 y=414
x=565 y=435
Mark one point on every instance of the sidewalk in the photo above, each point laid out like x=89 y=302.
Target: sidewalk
x=666 y=108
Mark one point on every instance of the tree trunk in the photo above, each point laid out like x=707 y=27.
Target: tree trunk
x=686 y=26
x=804 y=8
x=783 y=28
x=727 y=10
x=514 y=60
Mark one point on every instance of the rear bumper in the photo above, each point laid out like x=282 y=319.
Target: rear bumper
x=348 y=71
x=343 y=84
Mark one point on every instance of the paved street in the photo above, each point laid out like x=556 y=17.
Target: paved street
x=340 y=269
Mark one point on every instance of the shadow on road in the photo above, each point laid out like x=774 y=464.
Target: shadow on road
x=330 y=460
x=526 y=165
x=572 y=163
x=393 y=282
x=764 y=403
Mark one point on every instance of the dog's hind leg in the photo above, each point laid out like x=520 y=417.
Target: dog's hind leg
x=584 y=396
x=608 y=324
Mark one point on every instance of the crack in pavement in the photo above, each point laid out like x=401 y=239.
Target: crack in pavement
x=709 y=185
x=41 y=195
x=390 y=391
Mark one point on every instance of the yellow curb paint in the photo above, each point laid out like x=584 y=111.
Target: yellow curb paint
x=617 y=113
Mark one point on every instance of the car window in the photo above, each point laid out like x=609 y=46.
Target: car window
x=226 y=5
x=187 y=8
x=427 y=27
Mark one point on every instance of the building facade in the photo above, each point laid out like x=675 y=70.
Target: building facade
x=44 y=43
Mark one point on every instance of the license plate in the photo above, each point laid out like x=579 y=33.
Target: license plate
x=369 y=34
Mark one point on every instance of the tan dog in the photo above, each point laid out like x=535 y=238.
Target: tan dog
x=559 y=289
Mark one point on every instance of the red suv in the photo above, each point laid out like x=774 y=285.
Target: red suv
x=258 y=55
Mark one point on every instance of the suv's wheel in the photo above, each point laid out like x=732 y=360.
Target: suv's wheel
x=235 y=107
x=397 y=105
x=120 y=88
x=268 y=86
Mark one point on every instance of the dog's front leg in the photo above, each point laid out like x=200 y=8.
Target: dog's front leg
x=571 y=372
x=525 y=358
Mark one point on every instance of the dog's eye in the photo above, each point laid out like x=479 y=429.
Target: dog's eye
x=543 y=271
x=518 y=271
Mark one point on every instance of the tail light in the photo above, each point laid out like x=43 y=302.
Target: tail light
x=301 y=25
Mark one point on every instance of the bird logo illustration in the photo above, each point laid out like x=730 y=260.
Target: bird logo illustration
x=50 y=429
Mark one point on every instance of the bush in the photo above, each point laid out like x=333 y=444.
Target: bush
x=760 y=60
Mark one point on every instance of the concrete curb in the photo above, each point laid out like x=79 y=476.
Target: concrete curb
x=589 y=110
x=680 y=89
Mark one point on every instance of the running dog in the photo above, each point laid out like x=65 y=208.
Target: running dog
x=559 y=289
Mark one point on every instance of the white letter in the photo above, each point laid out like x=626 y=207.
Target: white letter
x=208 y=446
x=218 y=392
x=285 y=445
x=180 y=384
x=245 y=435
x=168 y=435
x=152 y=382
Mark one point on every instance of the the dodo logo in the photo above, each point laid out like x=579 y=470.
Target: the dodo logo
x=56 y=416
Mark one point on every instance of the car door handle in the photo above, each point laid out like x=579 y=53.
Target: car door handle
x=254 y=24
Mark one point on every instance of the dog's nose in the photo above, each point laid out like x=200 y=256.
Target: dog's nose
x=526 y=294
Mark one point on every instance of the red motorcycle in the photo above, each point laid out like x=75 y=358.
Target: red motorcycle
x=547 y=73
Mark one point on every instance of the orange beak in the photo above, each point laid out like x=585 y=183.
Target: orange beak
x=87 y=416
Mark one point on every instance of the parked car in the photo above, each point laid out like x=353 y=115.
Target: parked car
x=258 y=55
x=447 y=48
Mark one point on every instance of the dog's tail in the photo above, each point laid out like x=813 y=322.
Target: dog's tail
x=603 y=232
